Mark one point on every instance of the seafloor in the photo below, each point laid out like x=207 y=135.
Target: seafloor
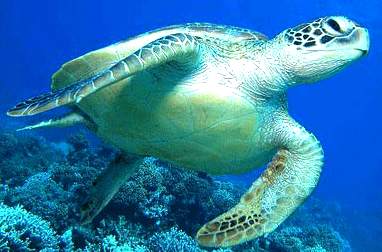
x=159 y=209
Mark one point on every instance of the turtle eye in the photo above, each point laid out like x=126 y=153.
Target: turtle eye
x=337 y=27
x=334 y=25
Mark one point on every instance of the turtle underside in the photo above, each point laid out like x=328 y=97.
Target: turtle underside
x=189 y=117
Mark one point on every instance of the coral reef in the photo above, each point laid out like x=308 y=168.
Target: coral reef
x=162 y=196
x=158 y=209
x=172 y=240
x=23 y=231
x=54 y=203
x=22 y=156
x=311 y=238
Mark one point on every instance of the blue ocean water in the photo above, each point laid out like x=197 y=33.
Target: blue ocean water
x=344 y=112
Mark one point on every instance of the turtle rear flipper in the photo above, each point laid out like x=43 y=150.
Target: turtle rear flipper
x=180 y=48
x=107 y=184
x=70 y=119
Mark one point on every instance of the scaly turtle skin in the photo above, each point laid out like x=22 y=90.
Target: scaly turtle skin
x=208 y=98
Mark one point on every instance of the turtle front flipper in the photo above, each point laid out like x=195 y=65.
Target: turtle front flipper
x=285 y=184
x=107 y=184
x=176 y=48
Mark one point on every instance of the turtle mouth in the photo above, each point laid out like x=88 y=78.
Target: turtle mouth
x=363 y=51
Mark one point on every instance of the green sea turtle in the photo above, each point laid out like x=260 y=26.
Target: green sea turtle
x=209 y=98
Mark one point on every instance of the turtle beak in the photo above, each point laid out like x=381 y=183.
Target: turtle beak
x=362 y=40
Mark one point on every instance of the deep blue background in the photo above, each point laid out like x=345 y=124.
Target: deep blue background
x=344 y=112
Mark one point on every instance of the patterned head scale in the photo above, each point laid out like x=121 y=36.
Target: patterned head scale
x=320 y=32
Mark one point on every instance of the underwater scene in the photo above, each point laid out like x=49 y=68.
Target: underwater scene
x=187 y=126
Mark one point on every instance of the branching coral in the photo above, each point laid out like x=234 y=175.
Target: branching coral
x=44 y=197
x=110 y=235
x=23 y=231
x=173 y=240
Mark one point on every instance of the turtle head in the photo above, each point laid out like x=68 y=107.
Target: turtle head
x=317 y=50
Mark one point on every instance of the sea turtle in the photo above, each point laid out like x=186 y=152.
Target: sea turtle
x=209 y=98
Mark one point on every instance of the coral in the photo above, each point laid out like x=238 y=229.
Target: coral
x=122 y=229
x=71 y=177
x=22 y=156
x=110 y=235
x=23 y=231
x=60 y=189
x=173 y=240
x=161 y=195
x=158 y=209
x=82 y=153
x=66 y=242
x=109 y=243
x=311 y=238
x=122 y=235
x=44 y=197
